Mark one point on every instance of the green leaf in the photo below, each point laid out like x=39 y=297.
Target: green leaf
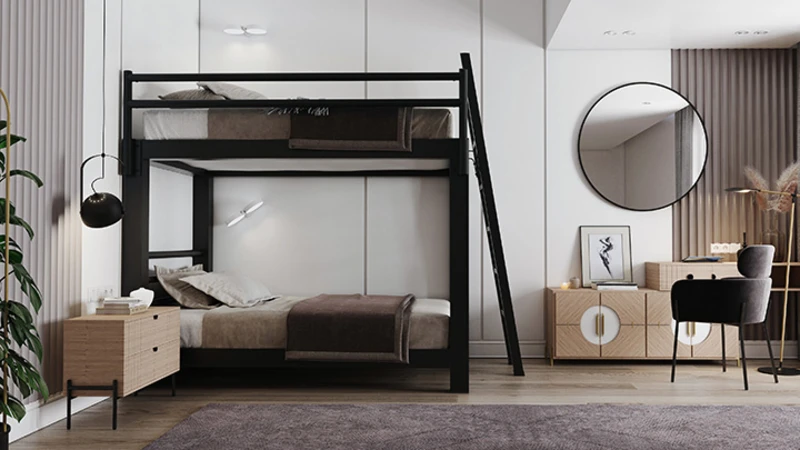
x=28 y=286
x=15 y=220
x=12 y=208
x=3 y=124
x=27 y=174
x=14 y=408
x=14 y=140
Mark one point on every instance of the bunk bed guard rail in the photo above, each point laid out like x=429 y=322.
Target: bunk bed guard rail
x=463 y=77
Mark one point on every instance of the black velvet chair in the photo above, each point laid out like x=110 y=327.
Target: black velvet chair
x=729 y=301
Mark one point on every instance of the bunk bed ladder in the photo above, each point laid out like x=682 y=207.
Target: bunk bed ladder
x=489 y=207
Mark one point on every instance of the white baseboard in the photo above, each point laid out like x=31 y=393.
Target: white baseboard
x=758 y=349
x=497 y=349
x=40 y=415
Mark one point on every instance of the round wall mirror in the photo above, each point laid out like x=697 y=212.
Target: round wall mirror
x=643 y=146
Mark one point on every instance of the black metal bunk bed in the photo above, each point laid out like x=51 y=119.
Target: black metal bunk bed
x=137 y=155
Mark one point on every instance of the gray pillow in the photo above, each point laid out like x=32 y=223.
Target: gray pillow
x=182 y=292
x=236 y=291
x=231 y=91
x=192 y=94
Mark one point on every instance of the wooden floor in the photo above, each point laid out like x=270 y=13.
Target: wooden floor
x=144 y=418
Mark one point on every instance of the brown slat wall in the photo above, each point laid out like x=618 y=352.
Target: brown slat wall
x=748 y=101
x=41 y=69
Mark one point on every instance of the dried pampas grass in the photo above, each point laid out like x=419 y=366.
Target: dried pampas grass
x=787 y=182
x=757 y=181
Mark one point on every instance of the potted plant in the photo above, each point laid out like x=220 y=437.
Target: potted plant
x=18 y=327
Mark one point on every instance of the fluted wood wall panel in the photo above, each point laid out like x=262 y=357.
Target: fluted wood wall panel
x=748 y=101
x=41 y=69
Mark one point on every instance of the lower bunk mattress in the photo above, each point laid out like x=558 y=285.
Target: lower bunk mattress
x=264 y=326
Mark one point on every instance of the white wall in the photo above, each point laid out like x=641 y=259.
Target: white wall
x=575 y=80
x=653 y=147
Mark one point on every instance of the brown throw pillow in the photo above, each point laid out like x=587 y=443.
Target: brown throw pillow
x=192 y=94
x=183 y=292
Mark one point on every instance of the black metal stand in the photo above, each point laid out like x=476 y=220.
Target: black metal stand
x=114 y=388
x=114 y=397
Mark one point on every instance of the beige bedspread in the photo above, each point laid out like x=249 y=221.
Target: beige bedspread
x=264 y=326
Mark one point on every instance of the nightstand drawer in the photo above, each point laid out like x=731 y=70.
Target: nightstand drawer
x=157 y=362
x=156 y=330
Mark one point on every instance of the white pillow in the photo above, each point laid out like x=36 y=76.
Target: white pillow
x=236 y=291
x=231 y=91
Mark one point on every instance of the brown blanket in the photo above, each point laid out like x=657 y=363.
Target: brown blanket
x=350 y=328
x=353 y=129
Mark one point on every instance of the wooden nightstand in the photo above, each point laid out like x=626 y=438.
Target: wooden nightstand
x=121 y=354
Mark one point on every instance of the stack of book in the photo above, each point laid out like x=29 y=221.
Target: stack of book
x=121 y=305
x=614 y=286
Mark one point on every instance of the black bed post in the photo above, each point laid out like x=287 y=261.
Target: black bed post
x=459 y=252
x=203 y=219
x=135 y=198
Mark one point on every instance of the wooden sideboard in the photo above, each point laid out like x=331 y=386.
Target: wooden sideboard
x=591 y=324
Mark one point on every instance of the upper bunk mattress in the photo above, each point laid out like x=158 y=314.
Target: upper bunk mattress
x=255 y=124
x=264 y=326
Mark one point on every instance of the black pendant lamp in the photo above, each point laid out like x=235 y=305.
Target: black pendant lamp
x=101 y=209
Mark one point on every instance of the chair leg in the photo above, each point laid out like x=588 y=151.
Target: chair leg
x=724 y=358
x=744 y=358
x=769 y=348
x=675 y=352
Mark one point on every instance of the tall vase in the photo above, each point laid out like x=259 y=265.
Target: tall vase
x=773 y=235
x=4 y=437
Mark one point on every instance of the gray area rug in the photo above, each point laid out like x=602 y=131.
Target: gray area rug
x=420 y=426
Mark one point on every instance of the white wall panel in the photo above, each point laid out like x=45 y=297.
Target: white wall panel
x=302 y=36
x=408 y=232
x=513 y=108
x=419 y=35
x=170 y=210
x=162 y=37
x=575 y=80
x=308 y=238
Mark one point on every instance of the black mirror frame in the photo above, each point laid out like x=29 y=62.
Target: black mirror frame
x=702 y=123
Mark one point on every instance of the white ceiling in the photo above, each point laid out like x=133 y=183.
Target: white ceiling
x=663 y=24
x=626 y=112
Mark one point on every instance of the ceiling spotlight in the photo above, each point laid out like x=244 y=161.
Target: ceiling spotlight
x=250 y=30
x=610 y=33
x=629 y=33
x=646 y=103
x=255 y=30
x=761 y=32
x=234 y=31
x=742 y=33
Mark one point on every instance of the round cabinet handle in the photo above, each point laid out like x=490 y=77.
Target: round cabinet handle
x=713 y=276
x=155 y=349
x=155 y=317
x=690 y=277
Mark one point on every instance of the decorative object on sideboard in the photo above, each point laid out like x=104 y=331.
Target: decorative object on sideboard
x=144 y=295
x=762 y=196
x=18 y=324
x=243 y=214
x=574 y=283
x=773 y=206
x=101 y=209
x=605 y=254
x=642 y=146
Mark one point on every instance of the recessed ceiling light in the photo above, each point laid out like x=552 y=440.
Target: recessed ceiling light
x=645 y=103
x=629 y=33
x=742 y=33
x=761 y=32
x=610 y=33
x=234 y=31
x=255 y=30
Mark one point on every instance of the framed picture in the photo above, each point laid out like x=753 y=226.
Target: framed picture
x=605 y=254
